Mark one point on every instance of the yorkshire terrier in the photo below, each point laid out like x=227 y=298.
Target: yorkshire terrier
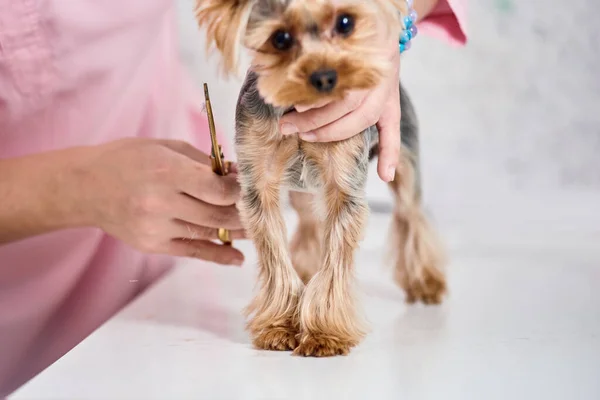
x=305 y=51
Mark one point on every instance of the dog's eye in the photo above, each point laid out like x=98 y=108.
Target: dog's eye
x=282 y=40
x=344 y=24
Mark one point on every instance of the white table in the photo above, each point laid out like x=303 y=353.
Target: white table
x=522 y=322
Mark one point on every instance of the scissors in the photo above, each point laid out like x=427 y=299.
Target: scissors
x=217 y=159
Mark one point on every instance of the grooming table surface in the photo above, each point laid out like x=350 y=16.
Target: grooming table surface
x=522 y=322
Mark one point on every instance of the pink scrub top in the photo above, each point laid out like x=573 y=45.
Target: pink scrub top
x=81 y=73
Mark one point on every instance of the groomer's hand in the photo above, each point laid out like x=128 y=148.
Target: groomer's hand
x=339 y=120
x=161 y=196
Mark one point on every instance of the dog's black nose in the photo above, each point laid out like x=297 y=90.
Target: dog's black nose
x=324 y=80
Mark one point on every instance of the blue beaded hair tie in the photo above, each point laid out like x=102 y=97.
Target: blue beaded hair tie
x=410 y=29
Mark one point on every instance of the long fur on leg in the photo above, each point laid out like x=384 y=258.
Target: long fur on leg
x=316 y=59
x=274 y=322
x=329 y=321
x=419 y=257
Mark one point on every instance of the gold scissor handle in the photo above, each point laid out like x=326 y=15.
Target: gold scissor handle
x=217 y=159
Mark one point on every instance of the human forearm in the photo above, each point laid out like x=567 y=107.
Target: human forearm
x=38 y=194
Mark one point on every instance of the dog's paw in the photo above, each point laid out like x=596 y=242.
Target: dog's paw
x=430 y=290
x=279 y=338
x=323 y=346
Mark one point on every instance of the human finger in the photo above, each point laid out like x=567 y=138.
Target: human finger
x=389 y=138
x=205 y=250
x=366 y=115
x=197 y=212
x=312 y=120
x=191 y=231
x=305 y=107
x=200 y=182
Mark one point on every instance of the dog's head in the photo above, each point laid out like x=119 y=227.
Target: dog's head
x=305 y=51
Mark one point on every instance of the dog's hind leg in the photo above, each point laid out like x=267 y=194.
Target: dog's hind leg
x=418 y=254
x=329 y=322
x=306 y=242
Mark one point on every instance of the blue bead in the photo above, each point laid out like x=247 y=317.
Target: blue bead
x=413 y=31
x=402 y=47
x=413 y=15
x=407 y=22
x=405 y=36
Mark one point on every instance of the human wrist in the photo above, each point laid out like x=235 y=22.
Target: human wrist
x=409 y=30
x=39 y=194
x=414 y=11
x=63 y=190
x=424 y=7
x=75 y=203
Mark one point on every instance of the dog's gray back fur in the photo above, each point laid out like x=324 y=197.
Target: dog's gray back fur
x=251 y=105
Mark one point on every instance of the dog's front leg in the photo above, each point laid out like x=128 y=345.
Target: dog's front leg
x=274 y=311
x=329 y=322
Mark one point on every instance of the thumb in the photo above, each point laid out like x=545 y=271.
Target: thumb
x=186 y=149
x=389 y=137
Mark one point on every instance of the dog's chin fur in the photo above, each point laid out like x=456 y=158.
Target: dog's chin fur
x=305 y=300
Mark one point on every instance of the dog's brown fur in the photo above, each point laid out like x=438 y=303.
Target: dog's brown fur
x=275 y=308
x=306 y=242
x=306 y=300
x=419 y=258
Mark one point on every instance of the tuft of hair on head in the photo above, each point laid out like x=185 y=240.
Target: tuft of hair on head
x=225 y=22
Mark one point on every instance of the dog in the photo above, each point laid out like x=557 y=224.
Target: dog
x=304 y=51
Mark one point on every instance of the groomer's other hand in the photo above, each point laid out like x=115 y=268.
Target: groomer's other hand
x=339 y=120
x=161 y=196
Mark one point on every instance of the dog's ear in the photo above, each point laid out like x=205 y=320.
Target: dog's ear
x=225 y=22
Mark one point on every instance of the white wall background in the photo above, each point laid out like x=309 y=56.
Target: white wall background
x=515 y=115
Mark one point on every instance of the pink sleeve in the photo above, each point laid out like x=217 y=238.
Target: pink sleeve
x=447 y=22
